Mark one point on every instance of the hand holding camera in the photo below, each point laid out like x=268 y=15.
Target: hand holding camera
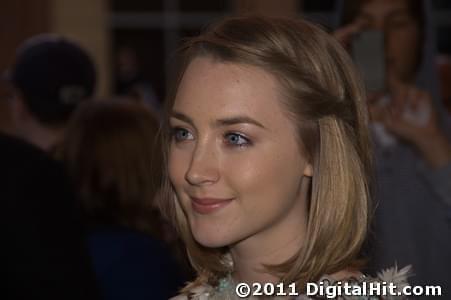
x=398 y=110
x=409 y=114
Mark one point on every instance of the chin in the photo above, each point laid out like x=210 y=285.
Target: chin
x=211 y=237
x=210 y=240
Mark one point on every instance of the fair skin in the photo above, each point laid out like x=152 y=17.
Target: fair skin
x=233 y=142
x=402 y=47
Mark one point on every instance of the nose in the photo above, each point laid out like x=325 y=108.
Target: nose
x=204 y=165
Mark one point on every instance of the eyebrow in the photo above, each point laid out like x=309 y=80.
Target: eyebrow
x=220 y=122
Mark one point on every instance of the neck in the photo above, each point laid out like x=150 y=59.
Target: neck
x=250 y=268
x=41 y=136
x=272 y=246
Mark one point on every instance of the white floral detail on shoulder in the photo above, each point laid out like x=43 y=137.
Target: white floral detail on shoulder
x=226 y=288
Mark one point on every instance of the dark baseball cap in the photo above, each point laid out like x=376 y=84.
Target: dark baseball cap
x=53 y=75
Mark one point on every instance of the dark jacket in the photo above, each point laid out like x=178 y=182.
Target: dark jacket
x=44 y=255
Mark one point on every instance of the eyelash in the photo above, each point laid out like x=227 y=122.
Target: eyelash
x=246 y=142
x=175 y=131
x=177 y=139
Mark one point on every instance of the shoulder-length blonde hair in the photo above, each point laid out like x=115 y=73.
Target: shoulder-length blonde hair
x=324 y=97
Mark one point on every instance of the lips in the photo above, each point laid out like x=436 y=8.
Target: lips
x=208 y=205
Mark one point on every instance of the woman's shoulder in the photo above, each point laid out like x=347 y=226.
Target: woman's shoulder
x=392 y=274
x=365 y=285
x=179 y=297
x=202 y=292
x=226 y=287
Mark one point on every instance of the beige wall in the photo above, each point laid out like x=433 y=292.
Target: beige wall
x=19 y=20
x=87 y=21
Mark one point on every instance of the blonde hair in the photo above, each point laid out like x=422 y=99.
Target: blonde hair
x=324 y=97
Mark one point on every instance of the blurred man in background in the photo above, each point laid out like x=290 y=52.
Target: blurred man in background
x=44 y=254
x=50 y=78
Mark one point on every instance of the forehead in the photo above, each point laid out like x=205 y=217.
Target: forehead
x=213 y=89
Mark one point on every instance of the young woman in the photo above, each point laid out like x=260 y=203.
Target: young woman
x=267 y=156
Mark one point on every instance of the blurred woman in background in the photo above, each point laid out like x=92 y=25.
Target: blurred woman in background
x=110 y=151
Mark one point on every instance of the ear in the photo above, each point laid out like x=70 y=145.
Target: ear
x=19 y=110
x=308 y=170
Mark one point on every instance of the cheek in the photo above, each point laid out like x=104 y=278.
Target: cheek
x=266 y=180
x=177 y=167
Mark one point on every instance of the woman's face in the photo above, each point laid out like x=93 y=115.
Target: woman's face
x=234 y=160
x=402 y=37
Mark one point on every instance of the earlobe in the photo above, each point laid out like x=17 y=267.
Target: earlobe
x=308 y=171
x=15 y=108
x=19 y=112
x=18 y=106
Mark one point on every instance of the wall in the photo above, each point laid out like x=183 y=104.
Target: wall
x=19 y=20
x=87 y=21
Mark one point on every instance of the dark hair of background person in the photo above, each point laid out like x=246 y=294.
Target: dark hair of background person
x=52 y=75
x=351 y=9
x=112 y=154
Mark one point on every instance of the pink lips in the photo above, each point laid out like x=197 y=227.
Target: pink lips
x=208 y=205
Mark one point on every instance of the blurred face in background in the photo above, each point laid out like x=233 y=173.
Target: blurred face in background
x=402 y=35
x=234 y=158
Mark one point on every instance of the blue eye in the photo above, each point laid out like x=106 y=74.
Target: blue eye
x=181 y=134
x=236 y=139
